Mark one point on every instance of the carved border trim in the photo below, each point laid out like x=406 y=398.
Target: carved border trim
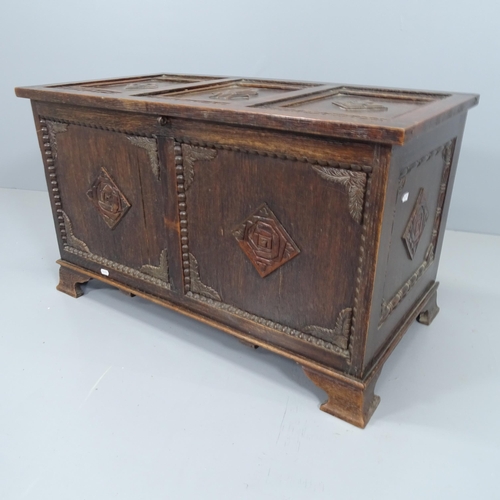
x=50 y=154
x=159 y=272
x=97 y=127
x=134 y=273
x=71 y=239
x=70 y=242
x=354 y=177
x=281 y=156
x=361 y=264
x=183 y=222
x=191 y=154
x=420 y=161
x=147 y=272
x=345 y=353
x=447 y=150
x=388 y=307
x=197 y=286
x=355 y=183
x=150 y=145
x=190 y=265
x=55 y=128
x=338 y=335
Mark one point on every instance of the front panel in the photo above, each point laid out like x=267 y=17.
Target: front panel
x=106 y=188
x=272 y=238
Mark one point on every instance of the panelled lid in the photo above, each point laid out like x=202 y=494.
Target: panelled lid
x=346 y=111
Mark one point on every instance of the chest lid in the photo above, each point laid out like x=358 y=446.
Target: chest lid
x=390 y=116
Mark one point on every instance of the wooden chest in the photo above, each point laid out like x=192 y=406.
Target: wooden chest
x=305 y=218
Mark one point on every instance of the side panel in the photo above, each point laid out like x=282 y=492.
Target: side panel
x=417 y=204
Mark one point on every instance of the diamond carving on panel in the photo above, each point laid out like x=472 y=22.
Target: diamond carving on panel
x=265 y=241
x=348 y=104
x=235 y=94
x=108 y=199
x=416 y=224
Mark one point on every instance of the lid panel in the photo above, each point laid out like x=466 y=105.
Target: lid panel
x=349 y=101
x=234 y=92
x=133 y=86
x=390 y=116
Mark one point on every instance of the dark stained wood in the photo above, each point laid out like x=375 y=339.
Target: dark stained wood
x=281 y=144
x=70 y=281
x=377 y=362
x=249 y=344
x=220 y=201
x=411 y=112
x=431 y=310
x=348 y=399
x=428 y=163
x=306 y=218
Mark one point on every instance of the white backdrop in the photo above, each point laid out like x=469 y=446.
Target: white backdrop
x=448 y=45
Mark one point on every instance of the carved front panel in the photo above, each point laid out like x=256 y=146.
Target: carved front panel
x=106 y=186
x=273 y=240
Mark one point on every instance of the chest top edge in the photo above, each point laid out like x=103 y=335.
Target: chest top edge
x=380 y=115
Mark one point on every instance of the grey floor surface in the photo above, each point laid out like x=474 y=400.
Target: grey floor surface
x=113 y=397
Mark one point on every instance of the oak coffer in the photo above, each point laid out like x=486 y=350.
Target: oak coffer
x=306 y=218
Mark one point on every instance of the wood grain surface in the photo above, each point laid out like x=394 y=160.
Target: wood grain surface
x=289 y=214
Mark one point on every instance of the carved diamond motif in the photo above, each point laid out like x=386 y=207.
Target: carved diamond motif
x=358 y=105
x=416 y=224
x=265 y=241
x=235 y=94
x=108 y=199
